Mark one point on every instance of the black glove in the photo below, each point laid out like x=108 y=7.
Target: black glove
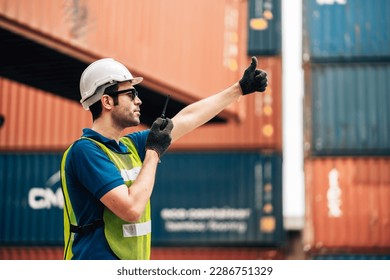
x=159 y=138
x=253 y=79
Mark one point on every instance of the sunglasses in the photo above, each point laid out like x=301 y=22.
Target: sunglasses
x=132 y=92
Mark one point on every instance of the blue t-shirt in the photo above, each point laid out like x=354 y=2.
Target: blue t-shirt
x=90 y=174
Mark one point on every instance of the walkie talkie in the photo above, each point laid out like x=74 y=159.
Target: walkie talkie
x=165 y=122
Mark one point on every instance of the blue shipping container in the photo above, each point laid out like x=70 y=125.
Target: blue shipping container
x=343 y=30
x=199 y=198
x=207 y=199
x=31 y=200
x=264 y=27
x=346 y=109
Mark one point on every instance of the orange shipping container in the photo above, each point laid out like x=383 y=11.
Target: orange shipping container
x=31 y=253
x=158 y=253
x=208 y=253
x=347 y=204
x=188 y=49
x=38 y=120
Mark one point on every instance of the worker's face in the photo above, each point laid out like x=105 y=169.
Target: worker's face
x=127 y=113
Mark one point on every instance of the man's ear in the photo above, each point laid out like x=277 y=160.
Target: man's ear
x=107 y=101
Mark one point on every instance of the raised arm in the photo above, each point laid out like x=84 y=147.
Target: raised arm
x=200 y=112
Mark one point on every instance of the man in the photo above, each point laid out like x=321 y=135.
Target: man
x=107 y=180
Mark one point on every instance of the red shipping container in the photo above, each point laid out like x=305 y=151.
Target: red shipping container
x=208 y=253
x=31 y=253
x=38 y=120
x=158 y=253
x=347 y=204
x=35 y=120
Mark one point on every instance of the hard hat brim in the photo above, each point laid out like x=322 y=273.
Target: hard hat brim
x=136 y=80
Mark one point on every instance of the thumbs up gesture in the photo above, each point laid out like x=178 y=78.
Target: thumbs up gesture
x=253 y=79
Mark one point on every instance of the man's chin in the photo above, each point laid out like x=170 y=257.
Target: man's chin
x=136 y=122
x=132 y=123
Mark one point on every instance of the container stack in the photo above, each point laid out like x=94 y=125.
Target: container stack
x=346 y=56
x=221 y=188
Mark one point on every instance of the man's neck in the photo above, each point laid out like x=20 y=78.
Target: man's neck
x=107 y=130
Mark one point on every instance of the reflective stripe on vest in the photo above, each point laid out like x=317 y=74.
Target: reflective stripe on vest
x=131 y=230
x=69 y=217
x=126 y=240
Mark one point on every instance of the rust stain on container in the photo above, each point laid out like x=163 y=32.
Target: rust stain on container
x=347 y=203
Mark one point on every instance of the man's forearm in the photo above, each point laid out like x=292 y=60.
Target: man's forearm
x=129 y=203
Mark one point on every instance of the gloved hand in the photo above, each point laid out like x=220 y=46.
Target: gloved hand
x=159 y=139
x=253 y=79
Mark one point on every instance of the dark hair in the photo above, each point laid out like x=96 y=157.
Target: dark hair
x=96 y=108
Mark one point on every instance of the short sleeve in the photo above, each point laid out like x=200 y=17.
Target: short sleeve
x=93 y=169
x=139 y=140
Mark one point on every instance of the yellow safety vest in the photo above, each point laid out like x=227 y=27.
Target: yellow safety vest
x=129 y=241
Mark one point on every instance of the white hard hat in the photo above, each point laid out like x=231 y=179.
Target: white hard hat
x=101 y=74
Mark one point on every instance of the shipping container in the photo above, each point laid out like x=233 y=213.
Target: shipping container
x=347 y=204
x=225 y=198
x=346 y=109
x=31 y=253
x=31 y=200
x=219 y=253
x=157 y=253
x=189 y=49
x=240 y=204
x=37 y=120
x=264 y=27
x=346 y=30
